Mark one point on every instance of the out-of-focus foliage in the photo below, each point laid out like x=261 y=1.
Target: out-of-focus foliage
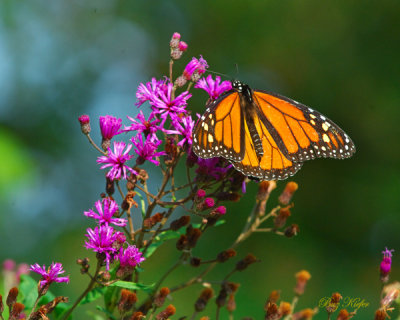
x=59 y=59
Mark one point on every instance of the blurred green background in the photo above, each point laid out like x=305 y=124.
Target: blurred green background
x=61 y=59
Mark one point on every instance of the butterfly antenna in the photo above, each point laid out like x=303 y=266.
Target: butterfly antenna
x=218 y=73
x=237 y=68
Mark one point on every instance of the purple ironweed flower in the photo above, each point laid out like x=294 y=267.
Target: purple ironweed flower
x=386 y=261
x=213 y=88
x=149 y=91
x=109 y=126
x=184 y=129
x=105 y=216
x=166 y=105
x=147 y=150
x=120 y=237
x=101 y=240
x=116 y=160
x=212 y=168
x=9 y=265
x=195 y=68
x=148 y=127
x=182 y=46
x=131 y=256
x=51 y=275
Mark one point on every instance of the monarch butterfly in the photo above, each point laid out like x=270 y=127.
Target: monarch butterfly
x=266 y=135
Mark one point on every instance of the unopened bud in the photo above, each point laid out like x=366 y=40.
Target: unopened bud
x=288 y=192
x=225 y=255
x=169 y=311
x=174 y=43
x=302 y=278
x=84 y=120
x=202 y=301
x=12 y=297
x=291 y=231
x=244 y=263
x=195 y=262
x=161 y=296
x=179 y=223
x=343 y=315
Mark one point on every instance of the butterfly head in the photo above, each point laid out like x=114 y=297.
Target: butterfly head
x=238 y=85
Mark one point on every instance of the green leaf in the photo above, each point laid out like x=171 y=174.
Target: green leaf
x=108 y=313
x=159 y=240
x=93 y=295
x=28 y=290
x=133 y=286
x=95 y=316
x=142 y=204
x=111 y=297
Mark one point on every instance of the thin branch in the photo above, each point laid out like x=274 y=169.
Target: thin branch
x=95 y=145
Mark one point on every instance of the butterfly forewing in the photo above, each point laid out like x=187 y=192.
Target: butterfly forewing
x=301 y=132
x=218 y=131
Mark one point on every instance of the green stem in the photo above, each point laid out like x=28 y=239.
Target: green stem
x=89 y=288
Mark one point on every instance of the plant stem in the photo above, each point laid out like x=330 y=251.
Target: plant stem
x=95 y=145
x=34 y=306
x=90 y=287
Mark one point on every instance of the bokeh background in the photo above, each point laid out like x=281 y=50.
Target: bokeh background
x=60 y=59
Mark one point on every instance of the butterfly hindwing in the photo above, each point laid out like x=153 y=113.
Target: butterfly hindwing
x=218 y=131
x=301 y=132
x=272 y=164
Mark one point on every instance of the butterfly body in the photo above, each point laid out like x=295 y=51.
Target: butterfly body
x=266 y=135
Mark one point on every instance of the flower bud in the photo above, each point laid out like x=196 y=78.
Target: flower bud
x=244 y=263
x=161 y=296
x=153 y=220
x=264 y=189
x=291 y=231
x=84 y=120
x=305 y=314
x=380 y=314
x=334 y=302
x=12 y=297
x=202 y=301
x=302 y=278
x=179 y=223
x=16 y=311
x=193 y=234
x=195 y=262
x=110 y=189
x=174 y=43
x=288 y=192
x=127 y=300
x=225 y=255
x=182 y=242
x=208 y=203
x=272 y=312
x=285 y=308
x=280 y=219
x=221 y=210
x=343 y=315
x=386 y=265
x=169 y=311
x=231 y=304
x=182 y=46
x=138 y=315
